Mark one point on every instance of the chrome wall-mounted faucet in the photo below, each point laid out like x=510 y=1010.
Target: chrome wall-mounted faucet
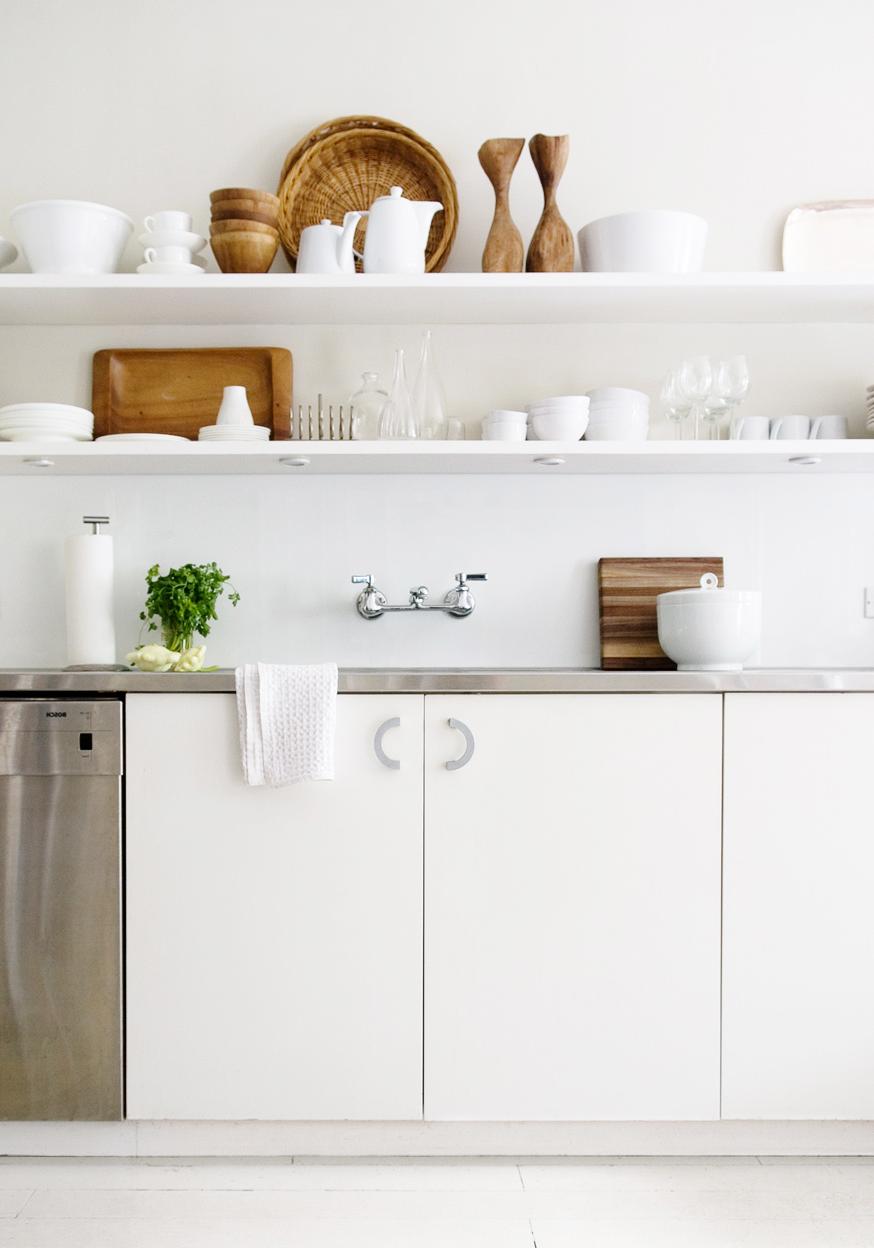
x=458 y=601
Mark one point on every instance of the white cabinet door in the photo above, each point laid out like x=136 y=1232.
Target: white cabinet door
x=572 y=910
x=274 y=936
x=798 y=1004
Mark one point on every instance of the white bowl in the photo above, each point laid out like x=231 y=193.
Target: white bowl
x=709 y=629
x=558 y=426
x=617 y=394
x=618 y=431
x=654 y=241
x=8 y=253
x=70 y=236
x=503 y=433
x=566 y=402
x=503 y=416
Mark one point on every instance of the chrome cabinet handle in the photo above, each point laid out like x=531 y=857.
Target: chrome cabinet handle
x=469 y=745
x=393 y=763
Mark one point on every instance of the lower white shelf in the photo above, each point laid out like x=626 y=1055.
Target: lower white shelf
x=485 y=458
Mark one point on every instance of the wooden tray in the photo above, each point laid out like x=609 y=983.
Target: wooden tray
x=627 y=590
x=178 y=391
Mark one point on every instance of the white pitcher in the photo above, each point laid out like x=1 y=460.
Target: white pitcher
x=397 y=233
x=327 y=248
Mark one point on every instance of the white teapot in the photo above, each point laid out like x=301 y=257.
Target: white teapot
x=397 y=233
x=327 y=248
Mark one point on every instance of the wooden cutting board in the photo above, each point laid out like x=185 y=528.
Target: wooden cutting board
x=178 y=391
x=627 y=591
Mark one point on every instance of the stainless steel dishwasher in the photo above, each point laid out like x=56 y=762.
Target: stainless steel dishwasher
x=60 y=903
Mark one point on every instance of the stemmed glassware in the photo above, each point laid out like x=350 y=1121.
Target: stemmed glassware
x=706 y=391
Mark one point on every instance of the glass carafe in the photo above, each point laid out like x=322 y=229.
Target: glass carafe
x=366 y=405
x=397 y=420
x=429 y=401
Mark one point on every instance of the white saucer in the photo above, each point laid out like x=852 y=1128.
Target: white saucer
x=232 y=433
x=169 y=268
x=173 y=238
x=141 y=437
x=8 y=253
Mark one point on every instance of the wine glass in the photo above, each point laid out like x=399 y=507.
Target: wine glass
x=694 y=383
x=673 y=404
x=731 y=382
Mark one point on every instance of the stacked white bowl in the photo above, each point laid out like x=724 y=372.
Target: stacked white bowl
x=869 y=405
x=617 y=414
x=562 y=418
x=504 y=425
x=45 y=422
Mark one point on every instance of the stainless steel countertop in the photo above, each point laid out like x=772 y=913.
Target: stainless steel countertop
x=461 y=680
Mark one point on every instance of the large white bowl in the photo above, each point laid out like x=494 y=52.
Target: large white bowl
x=709 y=629
x=654 y=241
x=71 y=236
x=617 y=394
x=503 y=433
x=558 y=426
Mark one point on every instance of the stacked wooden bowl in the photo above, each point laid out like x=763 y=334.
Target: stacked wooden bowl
x=244 y=232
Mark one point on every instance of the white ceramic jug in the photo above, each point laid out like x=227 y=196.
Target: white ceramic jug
x=327 y=248
x=397 y=233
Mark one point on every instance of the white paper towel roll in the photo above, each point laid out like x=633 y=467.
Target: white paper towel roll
x=89 y=586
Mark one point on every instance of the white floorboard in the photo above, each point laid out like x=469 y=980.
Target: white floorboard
x=286 y=1203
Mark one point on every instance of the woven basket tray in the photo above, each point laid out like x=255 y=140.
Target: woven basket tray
x=334 y=171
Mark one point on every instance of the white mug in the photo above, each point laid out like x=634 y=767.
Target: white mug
x=790 y=428
x=169 y=220
x=235 y=409
x=829 y=427
x=752 y=428
x=168 y=255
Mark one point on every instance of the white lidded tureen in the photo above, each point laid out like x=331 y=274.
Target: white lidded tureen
x=709 y=629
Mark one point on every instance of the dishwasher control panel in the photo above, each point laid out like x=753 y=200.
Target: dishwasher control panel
x=41 y=737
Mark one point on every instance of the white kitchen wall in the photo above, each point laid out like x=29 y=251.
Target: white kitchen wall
x=737 y=110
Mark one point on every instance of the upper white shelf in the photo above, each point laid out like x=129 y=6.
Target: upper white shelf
x=437 y=299
x=299 y=459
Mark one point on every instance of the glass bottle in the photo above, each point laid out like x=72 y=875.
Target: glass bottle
x=429 y=401
x=366 y=405
x=397 y=420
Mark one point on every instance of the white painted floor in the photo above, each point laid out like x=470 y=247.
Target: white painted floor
x=612 y=1203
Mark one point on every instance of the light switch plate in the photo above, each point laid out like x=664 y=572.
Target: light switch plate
x=869 y=602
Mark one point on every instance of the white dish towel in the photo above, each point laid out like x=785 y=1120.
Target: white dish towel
x=288 y=719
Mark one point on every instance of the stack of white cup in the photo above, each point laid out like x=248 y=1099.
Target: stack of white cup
x=171 y=246
x=617 y=414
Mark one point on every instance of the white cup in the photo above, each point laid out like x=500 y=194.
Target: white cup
x=751 y=429
x=168 y=255
x=169 y=220
x=790 y=428
x=829 y=427
x=234 y=408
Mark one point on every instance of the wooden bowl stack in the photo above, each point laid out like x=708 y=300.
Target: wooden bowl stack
x=244 y=232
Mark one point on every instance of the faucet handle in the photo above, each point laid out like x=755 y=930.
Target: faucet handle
x=366 y=579
x=464 y=577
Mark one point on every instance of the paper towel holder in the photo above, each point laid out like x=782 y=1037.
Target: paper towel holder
x=96 y=522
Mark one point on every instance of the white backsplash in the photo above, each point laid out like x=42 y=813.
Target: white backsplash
x=292 y=544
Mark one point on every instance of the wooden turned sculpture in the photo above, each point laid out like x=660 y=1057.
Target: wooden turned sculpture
x=504 y=250
x=552 y=245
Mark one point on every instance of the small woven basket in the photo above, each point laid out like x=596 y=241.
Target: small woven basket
x=342 y=168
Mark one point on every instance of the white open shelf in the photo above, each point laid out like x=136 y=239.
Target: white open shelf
x=84 y=459
x=444 y=298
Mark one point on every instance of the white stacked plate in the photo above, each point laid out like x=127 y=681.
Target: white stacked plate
x=234 y=433
x=174 y=438
x=618 y=414
x=45 y=422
